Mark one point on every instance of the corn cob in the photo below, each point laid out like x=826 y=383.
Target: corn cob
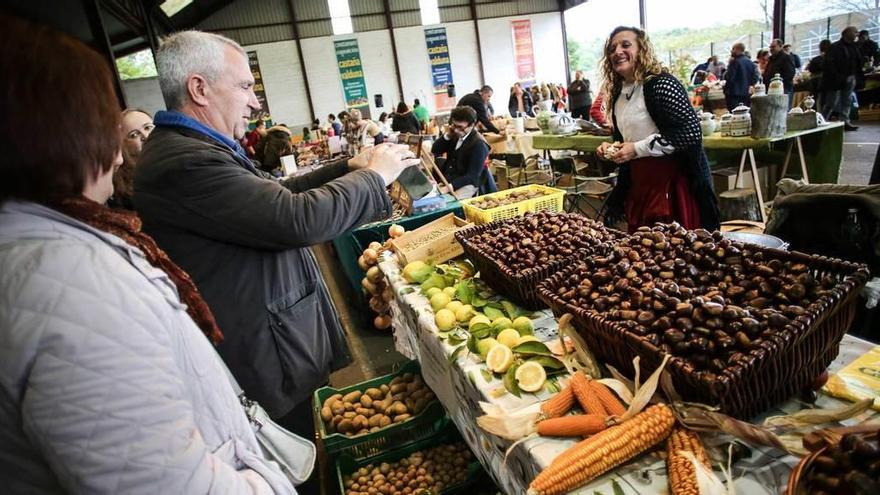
x=559 y=404
x=603 y=451
x=572 y=426
x=585 y=396
x=609 y=401
x=680 y=470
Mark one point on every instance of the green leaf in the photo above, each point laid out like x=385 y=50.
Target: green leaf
x=487 y=375
x=480 y=330
x=443 y=335
x=458 y=350
x=548 y=362
x=434 y=280
x=618 y=490
x=491 y=312
x=510 y=383
x=457 y=336
x=478 y=302
x=509 y=308
x=472 y=344
x=407 y=290
x=532 y=348
x=465 y=292
x=551 y=387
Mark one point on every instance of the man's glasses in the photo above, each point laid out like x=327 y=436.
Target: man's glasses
x=460 y=127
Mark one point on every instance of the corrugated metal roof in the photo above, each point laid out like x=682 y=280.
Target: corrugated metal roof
x=397 y=5
x=257 y=35
x=311 y=9
x=453 y=3
x=368 y=22
x=357 y=7
x=536 y=6
x=313 y=29
x=248 y=13
x=405 y=19
x=455 y=14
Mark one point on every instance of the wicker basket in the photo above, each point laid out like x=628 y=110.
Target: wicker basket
x=797 y=479
x=779 y=368
x=520 y=286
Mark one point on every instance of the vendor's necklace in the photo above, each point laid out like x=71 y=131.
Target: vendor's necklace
x=629 y=95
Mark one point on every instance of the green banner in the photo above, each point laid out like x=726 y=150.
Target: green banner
x=348 y=58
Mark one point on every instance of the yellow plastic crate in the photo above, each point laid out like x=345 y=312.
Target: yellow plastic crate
x=553 y=200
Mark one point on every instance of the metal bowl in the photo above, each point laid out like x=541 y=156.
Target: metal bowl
x=765 y=240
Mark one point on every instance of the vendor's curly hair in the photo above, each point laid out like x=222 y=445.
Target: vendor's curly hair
x=646 y=63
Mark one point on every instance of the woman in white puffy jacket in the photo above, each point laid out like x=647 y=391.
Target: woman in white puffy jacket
x=107 y=385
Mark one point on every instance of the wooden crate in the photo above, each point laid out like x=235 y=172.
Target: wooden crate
x=434 y=241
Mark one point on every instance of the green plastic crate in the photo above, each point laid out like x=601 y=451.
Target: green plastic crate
x=447 y=435
x=428 y=422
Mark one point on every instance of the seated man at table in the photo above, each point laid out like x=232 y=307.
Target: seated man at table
x=466 y=153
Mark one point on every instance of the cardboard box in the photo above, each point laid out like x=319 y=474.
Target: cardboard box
x=434 y=241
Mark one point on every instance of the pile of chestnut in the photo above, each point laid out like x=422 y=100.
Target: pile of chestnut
x=539 y=238
x=850 y=467
x=695 y=294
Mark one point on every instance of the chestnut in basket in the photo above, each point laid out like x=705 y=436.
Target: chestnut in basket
x=851 y=466
x=697 y=295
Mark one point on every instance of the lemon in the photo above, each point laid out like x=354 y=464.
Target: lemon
x=523 y=325
x=445 y=320
x=464 y=313
x=433 y=290
x=485 y=345
x=527 y=338
x=449 y=291
x=530 y=376
x=417 y=272
x=499 y=358
x=479 y=319
x=454 y=306
x=439 y=301
x=508 y=337
x=501 y=323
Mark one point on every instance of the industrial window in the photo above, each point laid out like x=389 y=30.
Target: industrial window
x=340 y=16
x=171 y=7
x=430 y=12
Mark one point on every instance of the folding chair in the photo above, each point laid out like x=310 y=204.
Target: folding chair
x=584 y=190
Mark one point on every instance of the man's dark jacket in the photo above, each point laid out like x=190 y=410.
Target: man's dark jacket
x=475 y=101
x=579 y=94
x=465 y=165
x=244 y=239
x=741 y=74
x=782 y=64
x=842 y=60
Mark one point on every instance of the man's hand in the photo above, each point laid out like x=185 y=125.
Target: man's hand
x=626 y=153
x=602 y=149
x=389 y=160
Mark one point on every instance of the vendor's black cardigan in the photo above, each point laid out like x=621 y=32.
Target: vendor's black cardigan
x=669 y=107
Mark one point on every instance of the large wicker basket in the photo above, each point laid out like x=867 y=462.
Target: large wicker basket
x=780 y=367
x=799 y=476
x=520 y=286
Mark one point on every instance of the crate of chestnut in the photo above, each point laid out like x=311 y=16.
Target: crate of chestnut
x=514 y=255
x=850 y=466
x=746 y=326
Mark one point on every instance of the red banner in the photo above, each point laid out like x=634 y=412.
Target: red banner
x=523 y=53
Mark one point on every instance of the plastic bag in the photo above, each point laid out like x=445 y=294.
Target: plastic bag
x=859 y=380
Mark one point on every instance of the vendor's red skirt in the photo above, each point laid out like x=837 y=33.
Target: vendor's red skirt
x=659 y=193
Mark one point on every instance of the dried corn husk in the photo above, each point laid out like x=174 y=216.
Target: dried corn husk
x=809 y=417
x=701 y=418
x=582 y=359
x=514 y=425
x=644 y=393
x=708 y=482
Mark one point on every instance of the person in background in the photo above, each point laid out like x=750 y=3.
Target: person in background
x=421 y=113
x=110 y=382
x=136 y=127
x=740 y=76
x=579 y=97
x=868 y=49
x=554 y=96
x=384 y=124
x=535 y=91
x=316 y=125
x=272 y=147
x=365 y=131
x=664 y=172
x=782 y=64
x=841 y=67
x=717 y=68
x=307 y=135
x=520 y=102
x=479 y=101
x=795 y=58
x=465 y=151
x=335 y=124
x=243 y=235
x=252 y=138
x=598 y=111
x=761 y=60
x=815 y=67
x=703 y=67
x=405 y=121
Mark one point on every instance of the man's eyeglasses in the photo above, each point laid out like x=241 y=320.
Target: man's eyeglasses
x=460 y=127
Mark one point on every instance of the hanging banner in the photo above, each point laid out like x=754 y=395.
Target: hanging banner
x=523 y=52
x=259 y=89
x=441 y=66
x=348 y=58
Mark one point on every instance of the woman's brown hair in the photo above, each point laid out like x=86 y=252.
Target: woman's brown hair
x=646 y=63
x=64 y=91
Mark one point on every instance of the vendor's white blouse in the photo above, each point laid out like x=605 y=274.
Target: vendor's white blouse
x=635 y=123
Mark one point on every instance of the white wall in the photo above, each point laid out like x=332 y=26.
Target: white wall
x=144 y=94
x=282 y=79
x=496 y=39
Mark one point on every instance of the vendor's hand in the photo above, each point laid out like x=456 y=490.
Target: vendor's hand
x=389 y=160
x=626 y=153
x=600 y=151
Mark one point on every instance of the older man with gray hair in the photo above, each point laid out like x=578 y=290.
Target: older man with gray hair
x=244 y=236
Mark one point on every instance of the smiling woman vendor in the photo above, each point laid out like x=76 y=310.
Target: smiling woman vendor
x=664 y=172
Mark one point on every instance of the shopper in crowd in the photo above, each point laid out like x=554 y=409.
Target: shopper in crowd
x=405 y=120
x=316 y=125
x=421 y=113
x=761 y=60
x=704 y=68
x=779 y=63
x=252 y=139
x=795 y=58
x=598 y=110
x=110 y=382
x=384 y=124
x=535 y=91
x=306 y=135
x=136 y=127
x=366 y=132
x=243 y=236
x=335 y=124
x=815 y=67
x=841 y=67
x=664 y=172
x=520 y=102
x=272 y=147
x=740 y=76
x=579 y=96
x=868 y=49
x=479 y=101
x=465 y=153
